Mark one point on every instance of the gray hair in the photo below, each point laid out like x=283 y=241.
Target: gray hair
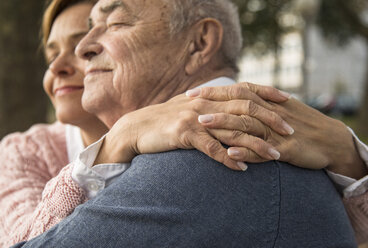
x=187 y=12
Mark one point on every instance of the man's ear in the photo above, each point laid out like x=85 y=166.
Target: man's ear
x=206 y=41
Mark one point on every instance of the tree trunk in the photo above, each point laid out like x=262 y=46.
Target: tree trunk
x=276 y=68
x=304 y=88
x=363 y=113
x=22 y=100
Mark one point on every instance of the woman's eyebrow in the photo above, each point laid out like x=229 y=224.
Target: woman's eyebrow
x=73 y=37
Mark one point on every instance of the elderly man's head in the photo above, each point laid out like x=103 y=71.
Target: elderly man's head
x=186 y=13
x=142 y=52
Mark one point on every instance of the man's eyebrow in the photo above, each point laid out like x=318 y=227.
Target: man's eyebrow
x=114 y=5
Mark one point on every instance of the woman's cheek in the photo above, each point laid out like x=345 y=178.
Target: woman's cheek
x=48 y=83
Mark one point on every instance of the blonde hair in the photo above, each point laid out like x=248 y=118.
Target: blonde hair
x=53 y=10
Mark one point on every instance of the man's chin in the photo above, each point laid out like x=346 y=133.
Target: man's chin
x=89 y=105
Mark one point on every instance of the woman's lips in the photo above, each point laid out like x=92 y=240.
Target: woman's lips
x=67 y=90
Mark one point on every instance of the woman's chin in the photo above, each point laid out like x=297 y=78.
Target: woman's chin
x=70 y=116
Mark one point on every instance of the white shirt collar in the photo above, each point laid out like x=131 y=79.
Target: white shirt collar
x=221 y=81
x=74 y=142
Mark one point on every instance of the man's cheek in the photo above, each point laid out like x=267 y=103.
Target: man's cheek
x=121 y=48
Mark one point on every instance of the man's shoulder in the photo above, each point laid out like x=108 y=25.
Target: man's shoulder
x=195 y=198
x=171 y=160
x=191 y=165
x=171 y=175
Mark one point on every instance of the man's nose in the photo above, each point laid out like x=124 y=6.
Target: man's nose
x=88 y=48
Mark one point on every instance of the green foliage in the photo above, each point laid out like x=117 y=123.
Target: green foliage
x=260 y=22
x=341 y=20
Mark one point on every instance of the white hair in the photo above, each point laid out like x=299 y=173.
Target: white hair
x=187 y=12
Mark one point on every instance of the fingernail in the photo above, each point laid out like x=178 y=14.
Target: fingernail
x=288 y=128
x=205 y=118
x=242 y=166
x=285 y=94
x=274 y=153
x=193 y=93
x=233 y=152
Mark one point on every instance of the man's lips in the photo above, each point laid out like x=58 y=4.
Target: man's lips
x=94 y=71
x=67 y=90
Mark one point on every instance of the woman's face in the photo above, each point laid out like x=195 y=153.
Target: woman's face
x=63 y=81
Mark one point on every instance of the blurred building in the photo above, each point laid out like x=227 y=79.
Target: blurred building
x=329 y=69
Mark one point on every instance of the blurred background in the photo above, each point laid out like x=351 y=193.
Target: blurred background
x=315 y=49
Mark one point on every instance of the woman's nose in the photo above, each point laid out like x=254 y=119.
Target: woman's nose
x=61 y=66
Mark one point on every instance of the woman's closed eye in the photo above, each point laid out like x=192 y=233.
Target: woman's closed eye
x=51 y=58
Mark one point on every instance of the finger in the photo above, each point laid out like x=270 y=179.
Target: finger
x=233 y=138
x=240 y=91
x=245 y=107
x=226 y=93
x=268 y=93
x=213 y=148
x=244 y=154
x=242 y=123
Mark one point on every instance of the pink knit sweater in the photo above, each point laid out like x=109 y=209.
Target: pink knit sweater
x=357 y=209
x=36 y=189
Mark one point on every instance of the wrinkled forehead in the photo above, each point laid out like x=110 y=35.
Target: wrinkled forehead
x=133 y=7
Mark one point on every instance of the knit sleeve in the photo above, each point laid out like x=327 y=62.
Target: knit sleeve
x=357 y=209
x=60 y=197
x=32 y=199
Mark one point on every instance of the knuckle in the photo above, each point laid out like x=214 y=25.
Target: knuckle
x=198 y=104
x=245 y=85
x=234 y=92
x=207 y=92
x=212 y=147
x=252 y=87
x=235 y=135
x=252 y=108
x=184 y=122
x=258 y=145
x=246 y=122
x=274 y=107
x=184 y=139
x=247 y=155
x=267 y=133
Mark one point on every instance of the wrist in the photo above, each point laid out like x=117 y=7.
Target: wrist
x=346 y=159
x=116 y=147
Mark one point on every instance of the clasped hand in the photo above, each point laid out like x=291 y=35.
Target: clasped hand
x=256 y=122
